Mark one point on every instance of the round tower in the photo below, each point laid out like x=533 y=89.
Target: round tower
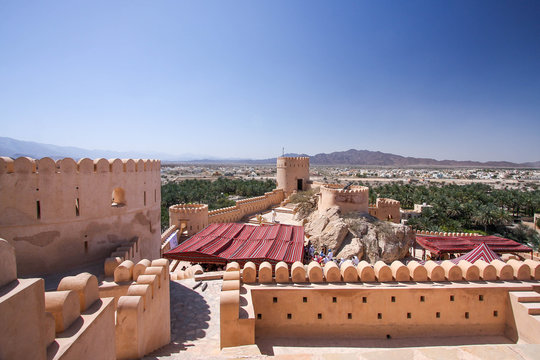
x=190 y=218
x=292 y=174
x=354 y=199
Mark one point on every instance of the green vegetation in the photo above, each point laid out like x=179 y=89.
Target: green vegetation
x=466 y=208
x=213 y=193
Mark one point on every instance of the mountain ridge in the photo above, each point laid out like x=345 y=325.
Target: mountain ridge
x=16 y=148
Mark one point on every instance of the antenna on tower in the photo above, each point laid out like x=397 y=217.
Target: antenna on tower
x=283 y=151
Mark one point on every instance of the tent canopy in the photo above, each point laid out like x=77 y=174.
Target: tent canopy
x=481 y=252
x=462 y=244
x=222 y=243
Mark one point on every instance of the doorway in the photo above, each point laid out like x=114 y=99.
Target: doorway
x=299 y=184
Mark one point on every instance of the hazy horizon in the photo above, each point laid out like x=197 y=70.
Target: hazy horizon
x=444 y=80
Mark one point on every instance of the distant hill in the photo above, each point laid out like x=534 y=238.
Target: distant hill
x=377 y=158
x=16 y=148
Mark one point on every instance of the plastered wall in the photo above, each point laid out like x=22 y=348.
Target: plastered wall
x=354 y=199
x=61 y=214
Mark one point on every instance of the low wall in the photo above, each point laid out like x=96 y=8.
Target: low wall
x=379 y=301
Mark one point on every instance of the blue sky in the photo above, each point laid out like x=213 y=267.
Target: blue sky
x=449 y=80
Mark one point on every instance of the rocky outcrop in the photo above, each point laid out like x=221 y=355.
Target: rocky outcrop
x=358 y=234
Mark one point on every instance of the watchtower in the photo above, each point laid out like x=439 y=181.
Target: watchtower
x=292 y=174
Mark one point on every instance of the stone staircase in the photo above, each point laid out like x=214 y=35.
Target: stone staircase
x=526 y=309
x=530 y=300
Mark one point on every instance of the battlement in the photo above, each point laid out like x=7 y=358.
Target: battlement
x=188 y=208
x=380 y=301
x=293 y=162
x=338 y=189
x=437 y=233
x=364 y=272
x=383 y=202
x=46 y=165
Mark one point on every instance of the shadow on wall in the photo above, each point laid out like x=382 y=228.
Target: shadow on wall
x=190 y=317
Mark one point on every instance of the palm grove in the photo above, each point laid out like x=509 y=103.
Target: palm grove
x=467 y=208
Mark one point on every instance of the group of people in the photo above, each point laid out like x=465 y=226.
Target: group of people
x=324 y=256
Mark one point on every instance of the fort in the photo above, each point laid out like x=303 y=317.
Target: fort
x=59 y=216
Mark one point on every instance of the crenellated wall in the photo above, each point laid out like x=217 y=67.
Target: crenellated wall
x=354 y=199
x=126 y=317
x=386 y=210
x=62 y=214
x=246 y=207
x=292 y=174
x=141 y=297
x=195 y=217
x=380 y=301
x=71 y=323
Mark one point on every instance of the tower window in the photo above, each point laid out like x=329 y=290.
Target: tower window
x=144 y=198
x=38 y=210
x=77 y=210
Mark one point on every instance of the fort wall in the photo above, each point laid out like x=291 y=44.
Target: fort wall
x=364 y=302
x=124 y=318
x=61 y=214
x=195 y=217
x=386 y=210
x=292 y=174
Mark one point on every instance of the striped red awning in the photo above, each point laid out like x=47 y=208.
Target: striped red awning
x=463 y=244
x=480 y=252
x=221 y=243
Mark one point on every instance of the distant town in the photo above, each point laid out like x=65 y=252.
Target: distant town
x=524 y=179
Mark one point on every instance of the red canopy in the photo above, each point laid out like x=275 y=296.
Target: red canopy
x=481 y=252
x=221 y=243
x=462 y=244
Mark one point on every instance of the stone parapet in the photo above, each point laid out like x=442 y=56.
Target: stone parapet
x=396 y=272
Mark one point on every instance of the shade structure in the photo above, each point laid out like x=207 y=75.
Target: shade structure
x=222 y=243
x=480 y=252
x=462 y=244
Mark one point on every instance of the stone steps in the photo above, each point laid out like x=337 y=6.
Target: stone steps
x=526 y=296
x=533 y=308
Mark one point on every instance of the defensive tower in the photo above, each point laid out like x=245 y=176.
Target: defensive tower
x=190 y=218
x=292 y=174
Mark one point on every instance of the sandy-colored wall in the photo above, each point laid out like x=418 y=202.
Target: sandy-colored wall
x=386 y=210
x=71 y=323
x=378 y=301
x=354 y=199
x=289 y=170
x=246 y=207
x=193 y=216
x=376 y=313
x=143 y=312
x=60 y=238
